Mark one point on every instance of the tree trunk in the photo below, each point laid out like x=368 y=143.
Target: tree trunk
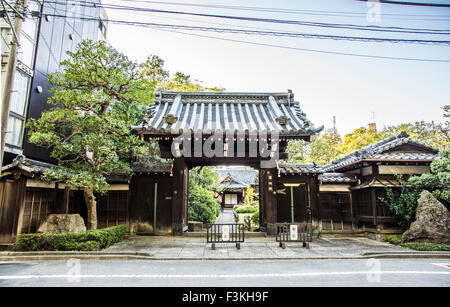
x=91 y=204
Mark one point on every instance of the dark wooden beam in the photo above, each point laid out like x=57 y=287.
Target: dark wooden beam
x=179 y=200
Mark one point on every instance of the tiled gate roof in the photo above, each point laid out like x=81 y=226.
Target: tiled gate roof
x=211 y=112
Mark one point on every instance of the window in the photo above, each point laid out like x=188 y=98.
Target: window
x=20 y=94
x=14 y=132
x=22 y=77
x=17 y=109
x=26 y=51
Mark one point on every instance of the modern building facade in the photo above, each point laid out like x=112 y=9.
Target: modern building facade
x=50 y=29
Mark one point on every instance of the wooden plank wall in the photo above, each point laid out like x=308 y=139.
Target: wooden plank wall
x=141 y=209
x=8 y=211
x=335 y=211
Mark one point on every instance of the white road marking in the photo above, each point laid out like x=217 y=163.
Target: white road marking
x=444 y=265
x=181 y=276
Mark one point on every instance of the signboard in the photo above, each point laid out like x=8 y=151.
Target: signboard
x=294 y=232
x=225 y=233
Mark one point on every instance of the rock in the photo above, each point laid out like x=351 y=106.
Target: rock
x=195 y=226
x=62 y=223
x=432 y=222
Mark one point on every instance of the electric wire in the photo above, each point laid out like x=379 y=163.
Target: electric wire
x=281 y=10
x=278 y=21
x=259 y=32
x=409 y=3
x=311 y=50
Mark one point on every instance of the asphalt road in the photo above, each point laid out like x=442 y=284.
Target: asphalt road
x=226 y=273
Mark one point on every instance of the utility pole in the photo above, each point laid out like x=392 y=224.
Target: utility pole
x=19 y=17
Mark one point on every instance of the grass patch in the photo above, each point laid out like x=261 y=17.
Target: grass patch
x=426 y=246
x=418 y=246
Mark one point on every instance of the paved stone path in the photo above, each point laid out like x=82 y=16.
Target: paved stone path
x=225 y=217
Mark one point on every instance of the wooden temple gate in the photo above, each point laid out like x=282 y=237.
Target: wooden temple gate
x=203 y=128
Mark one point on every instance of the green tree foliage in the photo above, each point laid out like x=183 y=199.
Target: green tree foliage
x=358 y=139
x=321 y=150
x=429 y=134
x=154 y=70
x=98 y=96
x=203 y=207
x=438 y=180
x=329 y=146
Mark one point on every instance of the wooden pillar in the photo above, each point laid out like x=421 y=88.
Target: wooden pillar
x=269 y=176
x=66 y=203
x=352 y=213
x=262 y=208
x=314 y=200
x=20 y=204
x=179 y=199
x=373 y=200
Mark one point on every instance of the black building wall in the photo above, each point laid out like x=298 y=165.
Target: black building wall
x=56 y=36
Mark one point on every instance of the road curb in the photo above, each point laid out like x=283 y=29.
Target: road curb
x=64 y=256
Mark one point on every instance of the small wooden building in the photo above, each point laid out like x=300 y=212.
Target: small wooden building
x=349 y=188
x=233 y=185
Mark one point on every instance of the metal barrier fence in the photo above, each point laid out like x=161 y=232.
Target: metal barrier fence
x=224 y=233
x=294 y=232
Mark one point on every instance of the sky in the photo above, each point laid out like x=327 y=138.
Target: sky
x=354 y=89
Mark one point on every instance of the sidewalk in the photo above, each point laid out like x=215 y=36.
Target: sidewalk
x=167 y=247
x=254 y=248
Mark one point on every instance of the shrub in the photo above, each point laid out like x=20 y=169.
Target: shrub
x=438 y=180
x=425 y=246
x=202 y=205
x=393 y=239
x=246 y=209
x=90 y=240
x=255 y=218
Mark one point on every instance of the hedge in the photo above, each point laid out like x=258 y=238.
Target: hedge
x=246 y=209
x=90 y=240
x=425 y=246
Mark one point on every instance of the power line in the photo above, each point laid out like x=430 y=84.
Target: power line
x=259 y=32
x=311 y=50
x=281 y=10
x=295 y=48
x=409 y=3
x=280 y=21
